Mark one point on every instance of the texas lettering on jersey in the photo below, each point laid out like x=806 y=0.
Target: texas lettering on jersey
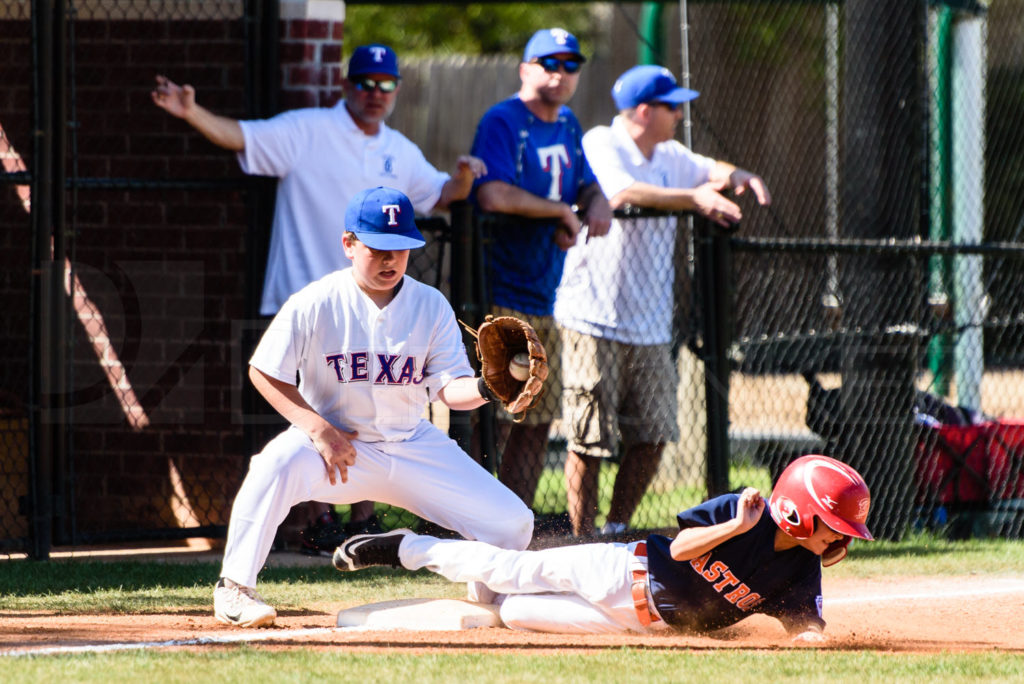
x=722 y=578
x=381 y=369
x=553 y=159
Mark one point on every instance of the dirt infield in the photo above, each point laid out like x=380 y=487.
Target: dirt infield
x=923 y=615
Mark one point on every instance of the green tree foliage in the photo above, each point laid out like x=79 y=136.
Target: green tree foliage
x=470 y=29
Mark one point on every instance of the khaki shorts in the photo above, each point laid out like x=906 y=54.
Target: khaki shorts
x=549 y=406
x=617 y=393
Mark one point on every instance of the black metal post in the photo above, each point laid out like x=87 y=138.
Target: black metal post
x=262 y=83
x=46 y=282
x=715 y=280
x=459 y=422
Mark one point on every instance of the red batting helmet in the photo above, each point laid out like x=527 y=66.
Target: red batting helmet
x=819 y=486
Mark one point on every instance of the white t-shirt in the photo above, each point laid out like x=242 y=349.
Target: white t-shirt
x=322 y=160
x=619 y=286
x=360 y=367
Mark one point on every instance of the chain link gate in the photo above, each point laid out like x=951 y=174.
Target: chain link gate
x=165 y=236
x=144 y=244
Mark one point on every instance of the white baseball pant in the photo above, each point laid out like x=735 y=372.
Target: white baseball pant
x=581 y=589
x=428 y=475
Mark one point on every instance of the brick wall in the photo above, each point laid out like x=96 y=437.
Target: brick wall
x=310 y=56
x=167 y=271
x=158 y=369
x=164 y=270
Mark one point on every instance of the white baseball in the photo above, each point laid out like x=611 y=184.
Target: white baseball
x=519 y=366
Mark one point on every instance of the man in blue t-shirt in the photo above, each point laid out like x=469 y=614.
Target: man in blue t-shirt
x=734 y=556
x=531 y=145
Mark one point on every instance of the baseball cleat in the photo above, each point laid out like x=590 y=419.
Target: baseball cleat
x=241 y=606
x=367 y=550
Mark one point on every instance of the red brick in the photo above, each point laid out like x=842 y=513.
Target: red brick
x=330 y=53
x=296 y=52
x=199 y=214
x=210 y=30
x=135 y=30
x=329 y=98
x=296 y=99
x=306 y=28
x=106 y=53
x=306 y=75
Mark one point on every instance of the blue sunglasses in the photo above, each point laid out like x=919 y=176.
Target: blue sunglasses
x=551 y=64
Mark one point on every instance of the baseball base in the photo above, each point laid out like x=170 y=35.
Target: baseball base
x=421 y=615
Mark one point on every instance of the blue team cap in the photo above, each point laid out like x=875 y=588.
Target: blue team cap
x=383 y=218
x=373 y=59
x=552 y=42
x=649 y=83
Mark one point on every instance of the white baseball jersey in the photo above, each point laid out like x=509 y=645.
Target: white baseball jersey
x=322 y=160
x=360 y=367
x=619 y=286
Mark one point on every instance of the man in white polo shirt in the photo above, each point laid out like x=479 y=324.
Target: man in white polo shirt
x=322 y=158
x=614 y=304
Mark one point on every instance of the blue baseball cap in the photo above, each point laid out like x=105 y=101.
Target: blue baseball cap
x=373 y=59
x=552 y=42
x=383 y=218
x=649 y=83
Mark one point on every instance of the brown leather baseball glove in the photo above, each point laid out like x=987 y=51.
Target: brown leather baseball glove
x=498 y=339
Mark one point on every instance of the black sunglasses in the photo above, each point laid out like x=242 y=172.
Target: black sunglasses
x=367 y=84
x=551 y=64
x=670 y=106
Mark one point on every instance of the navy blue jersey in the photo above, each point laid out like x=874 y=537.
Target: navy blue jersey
x=543 y=158
x=737 y=578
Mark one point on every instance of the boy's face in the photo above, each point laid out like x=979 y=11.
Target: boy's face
x=376 y=270
x=822 y=537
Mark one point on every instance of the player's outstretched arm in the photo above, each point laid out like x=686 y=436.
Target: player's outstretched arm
x=180 y=101
x=696 y=541
x=458 y=187
x=462 y=394
x=334 y=444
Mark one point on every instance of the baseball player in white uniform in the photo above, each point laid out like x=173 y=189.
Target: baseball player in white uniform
x=371 y=346
x=324 y=156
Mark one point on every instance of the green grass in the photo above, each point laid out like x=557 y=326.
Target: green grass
x=659 y=506
x=252 y=664
x=89 y=587
x=84 y=586
x=80 y=586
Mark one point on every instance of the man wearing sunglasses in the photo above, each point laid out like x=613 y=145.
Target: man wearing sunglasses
x=536 y=169
x=323 y=157
x=614 y=305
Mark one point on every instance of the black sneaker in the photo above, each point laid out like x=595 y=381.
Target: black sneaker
x=323 y=536
x=366 y=550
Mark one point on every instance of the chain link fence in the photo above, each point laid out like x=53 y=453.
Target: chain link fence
x=871 y=312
